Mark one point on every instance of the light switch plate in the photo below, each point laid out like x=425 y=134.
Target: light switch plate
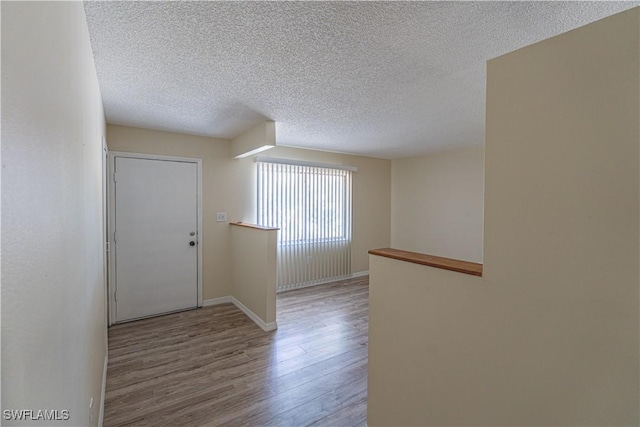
x=221 y=217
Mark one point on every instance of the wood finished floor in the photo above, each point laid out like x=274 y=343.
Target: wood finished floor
x=215 y=367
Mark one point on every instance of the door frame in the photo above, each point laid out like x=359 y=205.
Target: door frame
x=105 y=230
x=112 y=219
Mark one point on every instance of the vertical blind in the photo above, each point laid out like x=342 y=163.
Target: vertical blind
x=312 y=207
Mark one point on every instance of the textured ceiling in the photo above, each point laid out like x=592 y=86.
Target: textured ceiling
x=384 y=79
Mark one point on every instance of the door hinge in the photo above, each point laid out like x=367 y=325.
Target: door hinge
x=115 y=295
x=114 y=237
x=114 y=177
x=107 y=246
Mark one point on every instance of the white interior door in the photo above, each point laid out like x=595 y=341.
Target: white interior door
x=156 y=236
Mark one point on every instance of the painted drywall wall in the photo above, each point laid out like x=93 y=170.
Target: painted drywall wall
x=437 y=203
x=550 y=334
x=255 y=287
x=229 y=185
x=53 y=292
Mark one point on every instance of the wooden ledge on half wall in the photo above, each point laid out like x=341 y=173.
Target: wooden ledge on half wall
x=465 y=267
x=256 y=226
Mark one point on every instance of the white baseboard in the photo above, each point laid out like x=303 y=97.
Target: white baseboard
x=104 y=389
x=322 y=281
x=251 y=315
x=360 y=274
x=216 y=301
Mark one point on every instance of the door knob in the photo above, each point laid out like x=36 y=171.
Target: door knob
x=192 y=243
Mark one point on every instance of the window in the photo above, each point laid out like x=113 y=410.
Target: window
x=308 y=204
x=311 y=205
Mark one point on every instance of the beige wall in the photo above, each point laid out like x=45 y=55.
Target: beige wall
x=550 y=334
x=437 y=203
x=229 y=185
x=253 y=254
x=53 y=291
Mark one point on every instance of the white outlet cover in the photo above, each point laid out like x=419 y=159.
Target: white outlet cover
x=221 y=217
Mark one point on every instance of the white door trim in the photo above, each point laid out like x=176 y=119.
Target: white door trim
x=112 y=253
x=105 y=231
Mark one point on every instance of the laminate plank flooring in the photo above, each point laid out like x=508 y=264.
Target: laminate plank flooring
x=214 y=367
